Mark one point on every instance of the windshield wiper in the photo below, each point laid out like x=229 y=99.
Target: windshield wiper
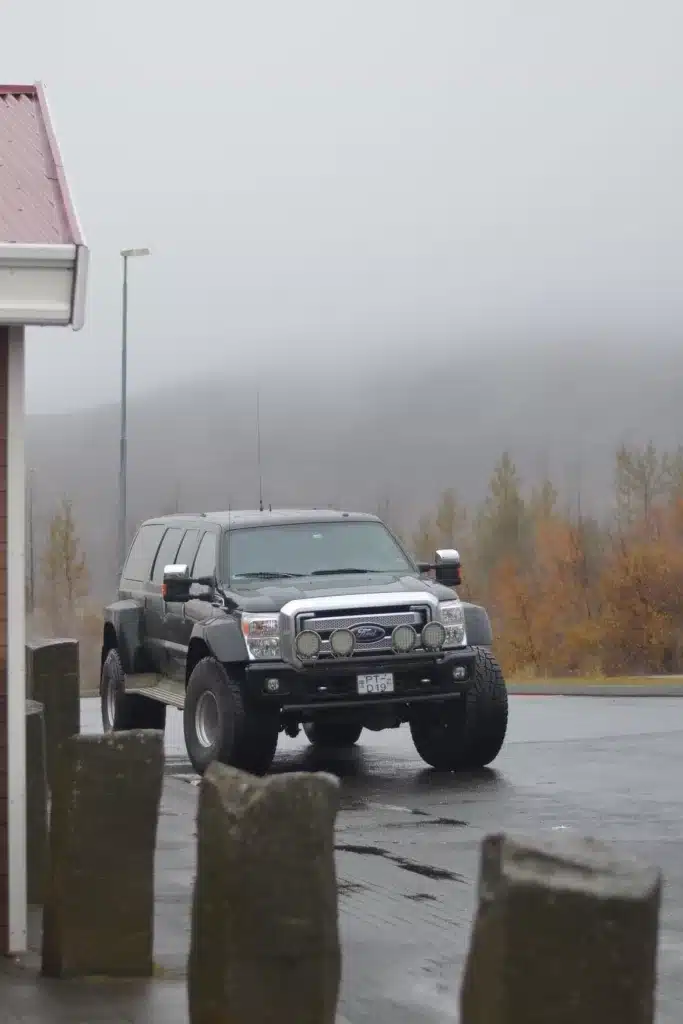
x=343 y=572
x=266 y=575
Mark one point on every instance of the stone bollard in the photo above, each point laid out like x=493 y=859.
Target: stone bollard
x=566 y=931
x=99 y=899
x=53 y=679
x=265 y=943
x=36 y=803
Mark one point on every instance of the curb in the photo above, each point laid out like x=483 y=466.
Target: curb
x=596 y=689
x=566 y=690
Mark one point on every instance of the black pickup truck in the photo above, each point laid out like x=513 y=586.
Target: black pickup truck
x=257 y=622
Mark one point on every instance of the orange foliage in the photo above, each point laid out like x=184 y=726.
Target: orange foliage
x=642 y=589
x=560 y=615
x=547 y=624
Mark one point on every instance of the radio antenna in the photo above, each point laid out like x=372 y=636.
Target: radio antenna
x=258 y=450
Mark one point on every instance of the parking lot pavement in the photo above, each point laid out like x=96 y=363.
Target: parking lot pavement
x=408 y=840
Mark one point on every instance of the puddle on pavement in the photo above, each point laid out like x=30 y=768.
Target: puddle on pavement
x=345 y=888
x=426 y=870
x=447 y=822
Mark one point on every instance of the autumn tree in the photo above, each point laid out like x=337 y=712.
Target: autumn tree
x=503 y=526
x=446 y=527
x=424 y=538
x=450 y=521
x=65 y=571
x=543 y=501
x=387 y=513
x=641 y=479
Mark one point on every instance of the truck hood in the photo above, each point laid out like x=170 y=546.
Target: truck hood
x=270 y=596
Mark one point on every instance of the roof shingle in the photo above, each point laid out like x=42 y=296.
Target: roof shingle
x=35 y=207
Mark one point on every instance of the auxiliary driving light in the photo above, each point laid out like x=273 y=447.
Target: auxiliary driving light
x=308 y=644
x=342 y=642
x=433 y=636
x=403 y=639
x=272 y=685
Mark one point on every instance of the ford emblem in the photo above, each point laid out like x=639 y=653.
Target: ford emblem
x=368 y=634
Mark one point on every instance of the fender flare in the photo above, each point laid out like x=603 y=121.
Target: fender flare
x=125 y=618
x=478 y=625
x=223 y=638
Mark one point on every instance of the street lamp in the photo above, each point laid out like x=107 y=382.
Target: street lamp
x=126 y=254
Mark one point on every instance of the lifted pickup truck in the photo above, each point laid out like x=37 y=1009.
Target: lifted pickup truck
x=253 y=623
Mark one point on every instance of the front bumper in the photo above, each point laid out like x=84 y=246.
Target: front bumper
x=333 y=683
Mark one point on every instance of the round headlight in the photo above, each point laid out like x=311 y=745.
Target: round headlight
x=308 y=644
x=403 y=639
x=433 y=636
x=342 y=642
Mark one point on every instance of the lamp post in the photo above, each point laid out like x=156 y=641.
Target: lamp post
x=126 y=254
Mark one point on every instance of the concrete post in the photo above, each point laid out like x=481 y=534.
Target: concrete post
x=265 y=944
x=36 y=803
x=99 y=901
x=566 y=931
x=53 y=679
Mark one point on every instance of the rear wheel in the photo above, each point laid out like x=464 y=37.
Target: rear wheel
x=333 y=734
x=219 y=728
x=468 y=733
x=120 y=710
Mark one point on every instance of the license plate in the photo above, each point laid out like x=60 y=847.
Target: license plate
x=380 y=682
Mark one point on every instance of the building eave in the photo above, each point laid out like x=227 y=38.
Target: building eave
x=44 y=284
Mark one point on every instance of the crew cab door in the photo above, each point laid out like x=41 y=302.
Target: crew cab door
x=134 y=585
x=177 y=623
x=181 y=618
x=155 y=606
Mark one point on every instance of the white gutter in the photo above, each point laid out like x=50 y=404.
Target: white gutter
x=43 y=284
x=80 y=287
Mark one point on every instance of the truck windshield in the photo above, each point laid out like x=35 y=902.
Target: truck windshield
x=307 y=549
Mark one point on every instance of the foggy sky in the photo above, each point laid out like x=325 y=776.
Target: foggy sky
x=313 y=176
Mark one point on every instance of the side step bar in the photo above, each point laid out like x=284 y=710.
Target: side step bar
x=166 y=691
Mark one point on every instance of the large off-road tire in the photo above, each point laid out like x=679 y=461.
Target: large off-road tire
x=219 y=728
x=333 y=734
x=121 y=710
x=468 y=733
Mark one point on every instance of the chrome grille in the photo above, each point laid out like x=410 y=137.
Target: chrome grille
x=388 y=620
x=325 y=625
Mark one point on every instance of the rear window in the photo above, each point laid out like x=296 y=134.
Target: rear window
x=138 y=565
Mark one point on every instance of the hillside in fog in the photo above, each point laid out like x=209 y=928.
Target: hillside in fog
x=359 y=433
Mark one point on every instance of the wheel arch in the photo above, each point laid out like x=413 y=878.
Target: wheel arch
x=123 y=629
x=477 y=625
x=110 y=642
x=197 y=650
x=220 y=639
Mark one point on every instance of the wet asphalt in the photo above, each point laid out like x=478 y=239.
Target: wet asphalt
x=408 y=842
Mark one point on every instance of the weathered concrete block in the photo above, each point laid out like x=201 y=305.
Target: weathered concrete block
x=36 y=803
x=566 y=931
x=53 y=679
x=99 y=900
x=265 y=943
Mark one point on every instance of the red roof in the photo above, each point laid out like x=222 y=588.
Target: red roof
x=35 y=207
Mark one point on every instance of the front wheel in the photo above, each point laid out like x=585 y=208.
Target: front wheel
x=333 y=734
x=218 y=727
x=468 y=733
x=120 y=710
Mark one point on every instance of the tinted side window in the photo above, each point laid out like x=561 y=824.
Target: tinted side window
x=142 y=553
x=205 y=562
x=187 y=548
x=166 y=555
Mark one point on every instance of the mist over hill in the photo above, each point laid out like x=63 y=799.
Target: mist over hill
x=356 y=431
